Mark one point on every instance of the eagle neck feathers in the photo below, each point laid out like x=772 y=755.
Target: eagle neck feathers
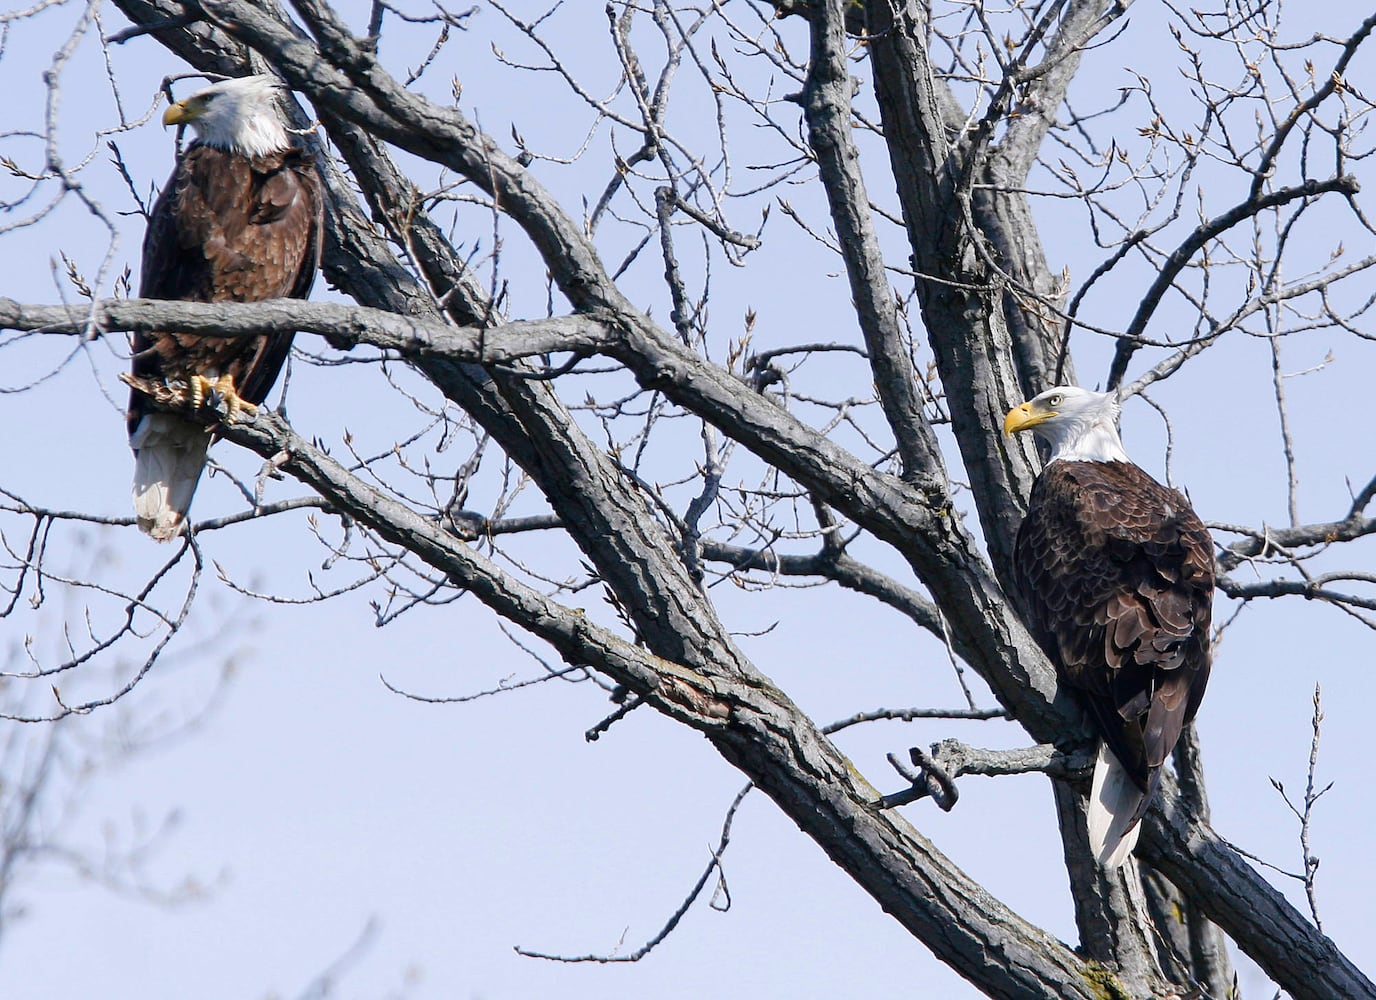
x=255 y=137
x=1091 y=437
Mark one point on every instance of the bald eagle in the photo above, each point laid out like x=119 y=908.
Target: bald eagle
x=1116 y=576
x=240 y=220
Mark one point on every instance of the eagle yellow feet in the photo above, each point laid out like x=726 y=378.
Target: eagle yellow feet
x=221 y=396
x=196 y=393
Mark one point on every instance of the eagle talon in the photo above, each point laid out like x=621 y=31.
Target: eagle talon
x=197 y=387
x=221 y=397
x=195 y=394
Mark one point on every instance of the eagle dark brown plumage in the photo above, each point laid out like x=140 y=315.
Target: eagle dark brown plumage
x=1116 y=575
x=240 y=220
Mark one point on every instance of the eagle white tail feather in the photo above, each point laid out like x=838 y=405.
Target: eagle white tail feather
x=1114 y=799
x=169 y=454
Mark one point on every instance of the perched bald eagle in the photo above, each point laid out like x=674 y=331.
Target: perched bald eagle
x=240 y=220
x=1116 y=575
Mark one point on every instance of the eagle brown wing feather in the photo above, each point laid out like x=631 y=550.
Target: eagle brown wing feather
x=1117 y=572
x=228 y=228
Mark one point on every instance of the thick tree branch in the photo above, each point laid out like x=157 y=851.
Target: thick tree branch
x=1003 y=210
x=963 y=308
x=755 y=726
x=964 y=316
x=445 y=136
x=343 y=325
x=1253 y=913
x=826 y=104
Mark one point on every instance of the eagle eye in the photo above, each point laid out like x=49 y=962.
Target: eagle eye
x=1054 y=400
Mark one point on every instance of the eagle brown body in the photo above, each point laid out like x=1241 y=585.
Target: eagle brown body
x=1116 y=576
x=228 y=229
x=1120 y=574
x=230 y=226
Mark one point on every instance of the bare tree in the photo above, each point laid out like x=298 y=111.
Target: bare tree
x=49 y=769
x=549 y=306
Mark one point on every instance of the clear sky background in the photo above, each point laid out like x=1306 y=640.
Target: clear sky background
x=299 y=814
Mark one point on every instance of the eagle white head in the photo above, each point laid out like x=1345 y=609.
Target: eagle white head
x=1079 y=425
x=242 y=116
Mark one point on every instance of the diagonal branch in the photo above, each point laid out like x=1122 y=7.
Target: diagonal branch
x=1248 y=908
x=755 y=727
x=1181 y=256
x=827 y=106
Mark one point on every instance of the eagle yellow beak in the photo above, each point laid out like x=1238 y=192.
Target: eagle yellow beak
x=1020 y=418
x=182 y=113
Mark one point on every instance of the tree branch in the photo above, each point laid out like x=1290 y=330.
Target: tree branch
x=1183 y=254
x=1253 y=913
x=755 y=727
x=343 y=325
x=826 y=103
